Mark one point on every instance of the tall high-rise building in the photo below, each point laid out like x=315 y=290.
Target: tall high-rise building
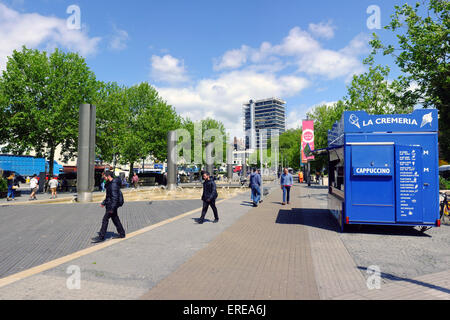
x=267 y=114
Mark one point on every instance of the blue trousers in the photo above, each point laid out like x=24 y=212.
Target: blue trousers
x=256 y=194
x=286 y=193
x=10 y=192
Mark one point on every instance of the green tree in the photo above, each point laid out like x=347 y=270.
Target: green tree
x=422 y=53
x=324 y=117
x=41 y=95
x=290 y=145
x=111 y=106
x=206 y=124
x=375 y=94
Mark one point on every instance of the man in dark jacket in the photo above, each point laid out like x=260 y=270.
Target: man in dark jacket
x=209 y=197
x=255 y=184
x=112 y=204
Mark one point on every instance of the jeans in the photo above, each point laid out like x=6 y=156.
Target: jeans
x=286 y=192
x=115 y=219
x=10 y=192
x=256 y=194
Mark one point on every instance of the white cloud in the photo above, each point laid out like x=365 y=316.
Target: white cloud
x=300 y=48
x=168 y=69
x=34 y=30
x=233 y=59
x=296 y=116
x=322 y=30
x=118 y=40
x=222 y=98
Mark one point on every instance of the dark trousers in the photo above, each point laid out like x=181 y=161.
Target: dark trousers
x=115 y=219
x=206 y=205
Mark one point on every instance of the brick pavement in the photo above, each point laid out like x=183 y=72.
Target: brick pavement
x=292 y=252
x=266 y=254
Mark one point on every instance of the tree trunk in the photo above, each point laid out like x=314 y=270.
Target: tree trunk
x=51 y=162
x=130 y=177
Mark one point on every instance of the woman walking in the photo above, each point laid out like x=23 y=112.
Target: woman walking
x=286 y=183
x=53 y=185
x=11 y=186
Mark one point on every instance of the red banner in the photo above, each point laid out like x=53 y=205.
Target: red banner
x=307 y=140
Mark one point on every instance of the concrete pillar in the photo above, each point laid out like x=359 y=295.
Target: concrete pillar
x=209 y=158
x=171 y=160
x=261 y=167
x=229 y=162
x=244 y=166
x=86 y=153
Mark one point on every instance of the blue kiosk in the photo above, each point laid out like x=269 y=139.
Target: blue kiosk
x=383 y=169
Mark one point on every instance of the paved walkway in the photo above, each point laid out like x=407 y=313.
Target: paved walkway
x=292 y=252
x=271 y=252
x=128 y=268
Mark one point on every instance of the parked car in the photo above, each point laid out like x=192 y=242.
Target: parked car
x=444 y=172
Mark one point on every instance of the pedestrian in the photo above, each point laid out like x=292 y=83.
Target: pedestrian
x=135 y=180
x=103 y=183
x=262 y=190
x=53 y=185
x=300 y=177
x=34 y=187
x=209 y=198
x=124 y=182
x=286 y=183
x=64 y=185
x=12 y=185
x=112 y=202
x=255 y=183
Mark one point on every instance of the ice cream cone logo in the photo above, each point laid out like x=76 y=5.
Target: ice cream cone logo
x=354 y=120
x=427 y=119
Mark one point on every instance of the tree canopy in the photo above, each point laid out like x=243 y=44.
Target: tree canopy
x=40 y=99
x=422 y=53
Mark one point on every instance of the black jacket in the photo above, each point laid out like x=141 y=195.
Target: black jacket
x=209 y=190
x=112 y=194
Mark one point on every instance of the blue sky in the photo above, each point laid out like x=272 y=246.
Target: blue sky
x=207 y=58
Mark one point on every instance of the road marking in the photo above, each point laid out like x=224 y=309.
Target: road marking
x=57 y=262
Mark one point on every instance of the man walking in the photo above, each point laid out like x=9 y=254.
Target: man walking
x=209 y=197
x=112 y=202
x=286 y=183
x=255 y=183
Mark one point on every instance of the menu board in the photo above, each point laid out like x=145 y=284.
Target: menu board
x=409 y=184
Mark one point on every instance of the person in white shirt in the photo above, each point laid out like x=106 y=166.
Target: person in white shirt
x=53 y=184
x=34 y=186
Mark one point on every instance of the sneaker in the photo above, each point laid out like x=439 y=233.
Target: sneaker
x=118 y=236
x=98 y=239
x=216 y=221
x=200 y=221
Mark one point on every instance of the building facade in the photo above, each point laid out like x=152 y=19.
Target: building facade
x=267 y=114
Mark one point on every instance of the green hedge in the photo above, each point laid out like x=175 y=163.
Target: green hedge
x=444 y=184
x=3 y=185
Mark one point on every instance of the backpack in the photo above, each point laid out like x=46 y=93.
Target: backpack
x=121 y=200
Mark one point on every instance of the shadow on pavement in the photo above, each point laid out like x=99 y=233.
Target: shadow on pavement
x=392 y=277
x=317 y=218
x=385 y=230
x=322 y=219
